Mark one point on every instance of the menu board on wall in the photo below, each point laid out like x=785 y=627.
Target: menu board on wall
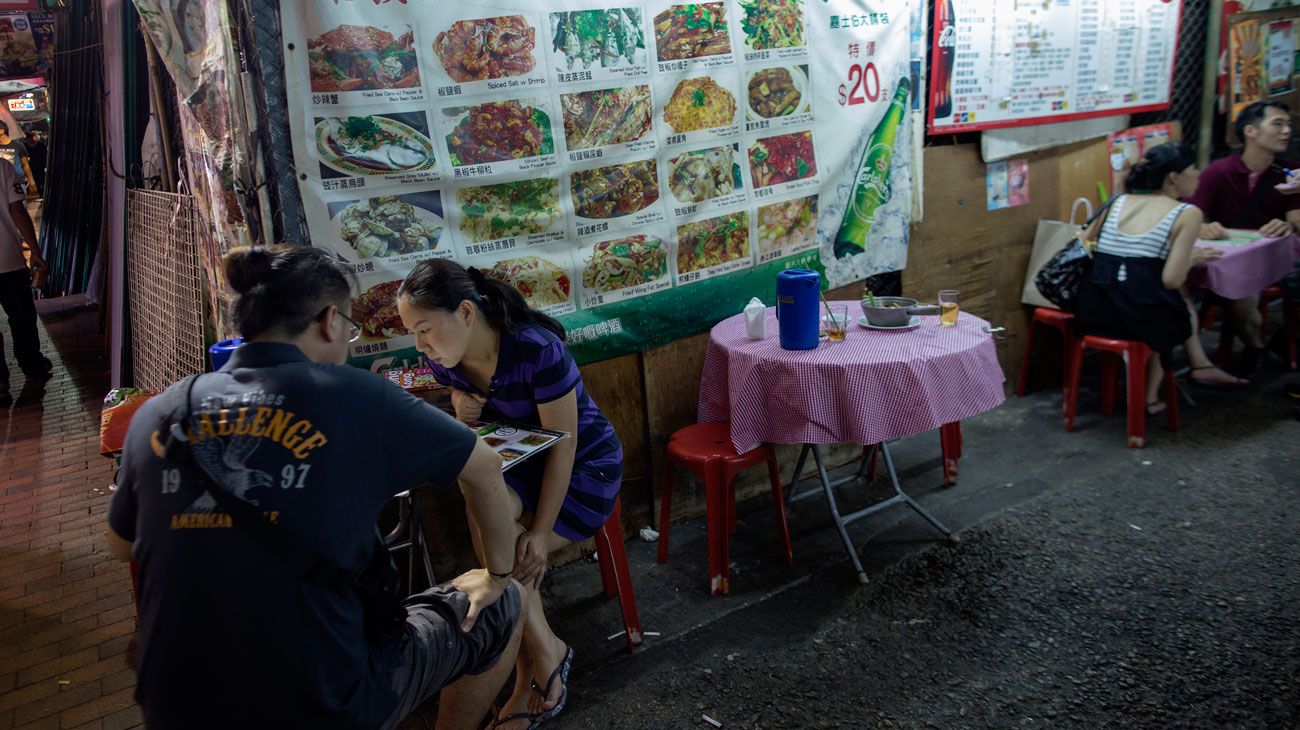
x=1004 y=63
x=637 y=170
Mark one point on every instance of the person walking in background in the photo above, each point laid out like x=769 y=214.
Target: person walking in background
x=16 y=285
x=37 y=155
x=15 y=151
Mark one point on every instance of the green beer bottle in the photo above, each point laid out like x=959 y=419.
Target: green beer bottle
x=871 y=188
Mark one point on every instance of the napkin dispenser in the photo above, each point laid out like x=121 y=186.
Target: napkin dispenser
x=798 y=294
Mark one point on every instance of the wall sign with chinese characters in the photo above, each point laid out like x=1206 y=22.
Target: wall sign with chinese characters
x=638 y=170
x=1002 y=63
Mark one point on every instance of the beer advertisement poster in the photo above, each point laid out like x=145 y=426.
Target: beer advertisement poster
x=637 y=169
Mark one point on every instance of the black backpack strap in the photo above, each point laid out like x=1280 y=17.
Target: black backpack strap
x=307 y=564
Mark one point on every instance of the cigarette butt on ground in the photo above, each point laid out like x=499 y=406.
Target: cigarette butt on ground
x=611 y=637
x=65 y=682
x=710 y=720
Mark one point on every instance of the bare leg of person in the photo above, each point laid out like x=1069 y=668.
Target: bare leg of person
x=1245 y=313
x=541 y=650
x=1203 y=368
x=1155 y=381
x=462 y=704
x=546 y=650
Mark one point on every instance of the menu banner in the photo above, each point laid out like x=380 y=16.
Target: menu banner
x=1004 y=63
x=637 y=170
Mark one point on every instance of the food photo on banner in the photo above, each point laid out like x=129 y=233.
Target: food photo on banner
x=638 y=171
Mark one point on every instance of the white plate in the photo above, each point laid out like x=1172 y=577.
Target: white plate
x=427 y=217
x=912 y=322
x=800 y=81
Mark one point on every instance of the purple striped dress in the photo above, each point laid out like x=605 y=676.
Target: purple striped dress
x=534 y=367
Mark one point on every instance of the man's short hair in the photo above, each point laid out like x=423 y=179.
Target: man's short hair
x=1254 y=114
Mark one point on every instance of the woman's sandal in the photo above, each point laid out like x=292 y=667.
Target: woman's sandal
x=1156 y=407
x=562 y=673
x=1241 y=382
x=498 y=721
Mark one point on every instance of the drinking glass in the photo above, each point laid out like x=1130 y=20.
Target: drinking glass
x=949 y=306
x=837 y=323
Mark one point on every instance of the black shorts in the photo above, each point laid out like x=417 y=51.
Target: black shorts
x=436 y=653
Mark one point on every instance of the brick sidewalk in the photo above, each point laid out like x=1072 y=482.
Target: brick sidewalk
x=66 y=616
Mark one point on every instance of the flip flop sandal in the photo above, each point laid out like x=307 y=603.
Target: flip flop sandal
x=498 y=721
x=1210 y=384
x=1156 y=407
x=562 y=673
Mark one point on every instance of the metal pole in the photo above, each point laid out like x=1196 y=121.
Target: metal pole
x=1209 y=84
x=156 y=95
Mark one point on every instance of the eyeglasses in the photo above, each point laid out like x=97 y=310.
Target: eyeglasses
x=355 y=326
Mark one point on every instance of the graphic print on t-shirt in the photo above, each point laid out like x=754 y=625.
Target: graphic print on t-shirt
x=227 y=462
x=223 y=443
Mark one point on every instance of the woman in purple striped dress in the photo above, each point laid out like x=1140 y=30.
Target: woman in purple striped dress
x=505 y=361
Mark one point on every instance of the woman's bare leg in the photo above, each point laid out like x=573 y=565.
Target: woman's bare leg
x=1155 y=380
x=541 y=651
x=1203 y=368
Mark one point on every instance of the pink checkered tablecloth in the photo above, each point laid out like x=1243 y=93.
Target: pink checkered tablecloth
x=872 y=387
x=1244 y=271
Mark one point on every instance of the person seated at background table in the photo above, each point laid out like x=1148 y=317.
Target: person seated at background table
x=1144 y=250
x=297 y=624
x=505 y=361
x=1240 y=191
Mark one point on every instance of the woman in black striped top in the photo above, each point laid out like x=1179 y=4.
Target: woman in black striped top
x=1145 y=247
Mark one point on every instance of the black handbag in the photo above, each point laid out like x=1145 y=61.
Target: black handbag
x=1062 y=276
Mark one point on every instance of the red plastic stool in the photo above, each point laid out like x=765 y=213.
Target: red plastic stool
x=614 y=574
x=705 y=449
x=1060 y=321
x=1136 y=354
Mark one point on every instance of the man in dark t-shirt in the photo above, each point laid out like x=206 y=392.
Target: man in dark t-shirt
x=14 y=151
x=1240 y=191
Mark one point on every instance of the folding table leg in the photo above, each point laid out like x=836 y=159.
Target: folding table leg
x=835 y=513
x=798 y=473
x=898 y=490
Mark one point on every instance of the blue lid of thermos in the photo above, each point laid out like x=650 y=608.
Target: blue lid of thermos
x=798 y=296
x=220 y=352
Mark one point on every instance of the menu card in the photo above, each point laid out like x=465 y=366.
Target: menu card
x=516 y=442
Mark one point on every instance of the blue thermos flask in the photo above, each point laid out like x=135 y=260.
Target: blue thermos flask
x=798 y=292
x=220 y=352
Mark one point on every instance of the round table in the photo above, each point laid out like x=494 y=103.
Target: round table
x=1245 y=270
x=873 y=387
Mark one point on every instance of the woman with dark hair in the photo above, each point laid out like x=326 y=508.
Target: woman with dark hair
x=505 y=361
x=296 y=617
x=1145 y=247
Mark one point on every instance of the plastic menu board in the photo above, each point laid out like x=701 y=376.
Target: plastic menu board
x=516 y=442
x=1003 y=63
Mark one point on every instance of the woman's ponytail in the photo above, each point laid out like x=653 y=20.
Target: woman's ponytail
x=1149 y=174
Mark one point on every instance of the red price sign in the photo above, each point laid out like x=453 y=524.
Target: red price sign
x=863 y=85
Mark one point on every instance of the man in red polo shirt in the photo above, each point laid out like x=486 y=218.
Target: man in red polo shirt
x=1239 y=191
